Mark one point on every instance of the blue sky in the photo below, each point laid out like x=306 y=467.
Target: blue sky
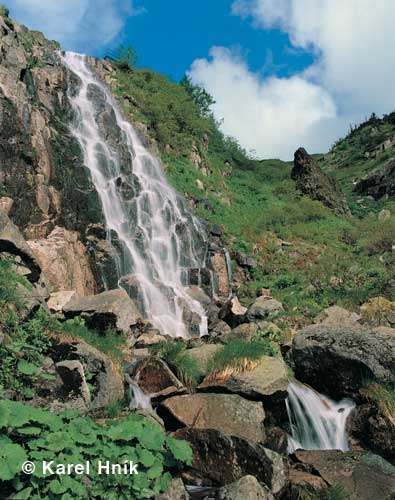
x=283 y=73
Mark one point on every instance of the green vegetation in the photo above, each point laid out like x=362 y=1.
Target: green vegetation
x=109 y=341
x=4 y=12
x=177 y=357
x=383 y=395
x=125 y=57
x=334 y=492
x=237 y=356
x=34 y=434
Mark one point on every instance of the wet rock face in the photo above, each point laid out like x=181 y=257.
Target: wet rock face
x=316 y=184
x=380 y=182
x=338 y=361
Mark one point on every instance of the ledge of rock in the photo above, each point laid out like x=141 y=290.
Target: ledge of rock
x=113 y=308
x=228 y=413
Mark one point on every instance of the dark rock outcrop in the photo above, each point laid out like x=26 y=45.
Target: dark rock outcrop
x=338 y=361
x=224 y=460
x=380 y=182
x=316 y=184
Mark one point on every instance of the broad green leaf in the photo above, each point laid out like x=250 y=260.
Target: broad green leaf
x=27 y=368
x=4 y=414
x=12 y=456
x=30 y=431
x=181 y=450
x=58 y=441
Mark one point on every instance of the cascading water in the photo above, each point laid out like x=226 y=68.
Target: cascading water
x=317 y=422
x=156 y=232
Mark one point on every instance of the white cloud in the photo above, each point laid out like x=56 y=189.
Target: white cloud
x=352 y=75
x=81 y=25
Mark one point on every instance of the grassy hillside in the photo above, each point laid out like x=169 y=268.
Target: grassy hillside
x=309 y=257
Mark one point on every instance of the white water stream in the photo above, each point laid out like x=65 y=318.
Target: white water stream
x=158 y=240
x=317 y=422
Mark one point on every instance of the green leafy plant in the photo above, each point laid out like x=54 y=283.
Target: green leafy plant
x=36 y=435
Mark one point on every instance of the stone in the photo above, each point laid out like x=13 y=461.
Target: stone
x=223 y=459
x=58 y=300
x=380 y=182
x=155 y=378
x=199 y=184
x=216 y=230
x=203 y=354
x=228 y=413
x=338 y=361
x=364 y=476
x=244 y=332
x=217 y=327
x=303 y=483
x=73 y=378
x=244 y=261
x=6 y=204
x=268 y=378
x=246 y=488
x=233 y=313
x=315 y=183
x=199 y=295
x=176 y=491
x=338 y=316
x=108 y=309
x=105 y=375
x=263 y=308
x=378 y=311
x=384 y=215
x=65 y=261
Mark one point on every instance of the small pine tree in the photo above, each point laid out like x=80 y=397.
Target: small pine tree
x=198 y=95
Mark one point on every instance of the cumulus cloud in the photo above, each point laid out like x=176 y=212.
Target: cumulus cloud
x=80 y=25
x=352 y=74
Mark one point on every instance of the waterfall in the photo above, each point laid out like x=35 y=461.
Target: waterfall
x=317 y=422
x=156 y=232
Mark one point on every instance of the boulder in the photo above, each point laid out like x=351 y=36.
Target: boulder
x=107 y=309
x=378 y=311
x=246 y=488
x=6 y=204
x=65 y=261
x=196 y=293
x=58 y=300
x=268 y=378
x=380 y=182
x=228 y=413
x=223 y=459
x=244 y=261
x=219 y=263
x=233 y=313
x=263 y=308
x=373 y=425
x=245 y=331
x=364 y=476
x=105 y=377
x=338 y=361
x=304 y=484
x=155 y=378
x=316 y=184
x=203 y=354
x=338 y=316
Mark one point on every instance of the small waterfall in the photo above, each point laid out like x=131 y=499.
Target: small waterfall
x=317 y=422
x=159 y=238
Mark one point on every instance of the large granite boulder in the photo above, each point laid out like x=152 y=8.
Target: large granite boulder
x=363 y=476
x=263 y=308
x=228 y=413
x=316 y=184
x=380 y=182
x=338 y=361
x=107 y=309
x=223 y=459
x=268 y=378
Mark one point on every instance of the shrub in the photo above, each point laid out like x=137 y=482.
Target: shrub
x=36 y=435
x=384 y=397
x=177 y=357
x=237 y=356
